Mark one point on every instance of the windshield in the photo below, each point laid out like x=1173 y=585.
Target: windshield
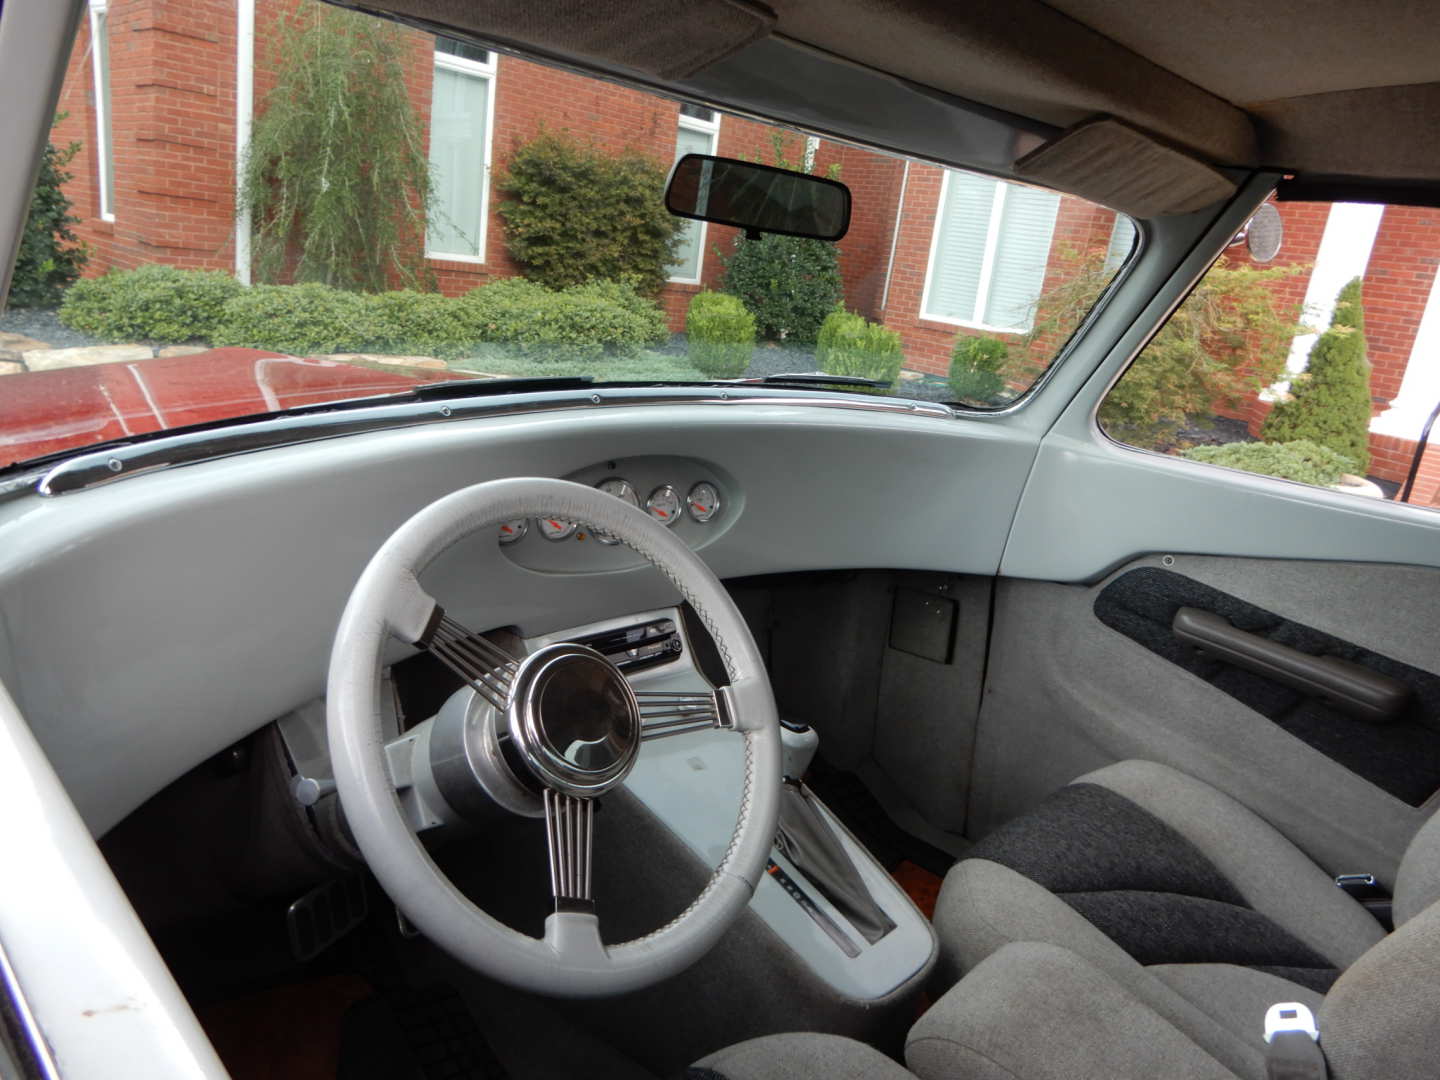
x=365 y=208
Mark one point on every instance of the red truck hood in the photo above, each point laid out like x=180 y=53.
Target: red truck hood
x=44 y=412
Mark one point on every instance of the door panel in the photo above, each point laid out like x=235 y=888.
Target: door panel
x=1067 y=693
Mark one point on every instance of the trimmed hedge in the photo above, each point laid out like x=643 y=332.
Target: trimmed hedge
x=720 y=335
x=975 y=366
x=1302 y=460
x=848 y=345
x=298 y=319
x=515 y=316
x=153 y=303
x=161 y=303
x=573 y=324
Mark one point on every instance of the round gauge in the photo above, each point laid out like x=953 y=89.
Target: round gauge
x=703 y=502
x=510 y=531
x=556 y=528
x=622 y=489
x=664 y=505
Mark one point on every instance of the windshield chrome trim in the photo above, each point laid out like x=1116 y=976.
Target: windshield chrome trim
x=87 y=470
x=40 y=1057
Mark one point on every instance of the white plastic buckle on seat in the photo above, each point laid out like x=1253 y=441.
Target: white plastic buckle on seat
x=1290 y=1016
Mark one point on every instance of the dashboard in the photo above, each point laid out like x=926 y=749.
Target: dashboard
x=151 y=622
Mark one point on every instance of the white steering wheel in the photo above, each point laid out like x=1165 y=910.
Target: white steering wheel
x=544 y=734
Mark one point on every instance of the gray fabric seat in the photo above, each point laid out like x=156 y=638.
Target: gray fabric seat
x=1183 y=897
x=1048 y=994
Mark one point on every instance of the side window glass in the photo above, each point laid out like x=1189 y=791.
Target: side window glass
x=1320 y=366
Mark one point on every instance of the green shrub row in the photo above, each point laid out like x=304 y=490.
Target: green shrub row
x=975 y=367
x=1300 y=459
x=849 y=345
x=153 y=303
x=164 y=304
x=720 y=334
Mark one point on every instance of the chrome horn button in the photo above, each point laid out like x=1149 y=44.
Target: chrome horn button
x=575 y=720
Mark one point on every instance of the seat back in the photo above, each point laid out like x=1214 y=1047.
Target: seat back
x=1417 y=884
x=1380 y=1017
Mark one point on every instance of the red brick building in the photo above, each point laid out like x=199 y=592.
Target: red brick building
x=160 y=95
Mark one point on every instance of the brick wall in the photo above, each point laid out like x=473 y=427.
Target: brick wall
x=1082 y=232
x=1397 y=284
x=172 y=95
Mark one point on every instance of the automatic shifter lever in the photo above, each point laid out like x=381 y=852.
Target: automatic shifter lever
x=807 y=839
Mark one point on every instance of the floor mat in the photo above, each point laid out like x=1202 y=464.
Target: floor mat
x=847 y=797
x=425 y=1034
x=287 y=1033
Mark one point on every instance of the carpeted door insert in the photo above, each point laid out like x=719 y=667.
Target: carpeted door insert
x=1149 y=889
x=1401 y=757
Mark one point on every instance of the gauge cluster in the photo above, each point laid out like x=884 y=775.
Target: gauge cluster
x=691 y=497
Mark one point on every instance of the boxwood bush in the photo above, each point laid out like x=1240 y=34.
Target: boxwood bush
x=1300 y=459
x=574 y=214
x=848 y=345
x=720 y=335
x=299 y=319
x=788 y=283
x=975 y=366
x=153 y=303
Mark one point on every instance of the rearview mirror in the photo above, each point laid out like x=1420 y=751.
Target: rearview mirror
x=757 y=198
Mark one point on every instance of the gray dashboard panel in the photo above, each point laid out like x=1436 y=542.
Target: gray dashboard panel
x=151 y=622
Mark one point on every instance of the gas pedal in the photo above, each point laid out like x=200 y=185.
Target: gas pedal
x=326 y=914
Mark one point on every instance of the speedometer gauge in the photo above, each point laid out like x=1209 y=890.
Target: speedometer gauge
x=555 y=528
x=703 y=502
x=664 y=505
x=510 y=531
x=625 y=491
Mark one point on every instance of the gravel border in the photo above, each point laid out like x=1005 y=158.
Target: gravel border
x=42 y=325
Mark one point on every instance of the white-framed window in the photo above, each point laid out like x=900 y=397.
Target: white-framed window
x=104 y=142
x=988 y=253
x=699 y=134
x=1122 y=242
x=462 y=118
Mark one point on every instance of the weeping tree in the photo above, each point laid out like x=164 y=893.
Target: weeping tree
x=337 y=179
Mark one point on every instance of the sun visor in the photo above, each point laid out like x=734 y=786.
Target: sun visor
x=655 y=37
x=1122 y=167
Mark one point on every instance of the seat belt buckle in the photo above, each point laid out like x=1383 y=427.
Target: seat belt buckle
x=1290 y=1016
x=1370 y=894
x=1292 y=1043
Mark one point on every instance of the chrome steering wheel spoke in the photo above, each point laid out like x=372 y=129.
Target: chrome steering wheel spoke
x=665 y=712
x=484 y=666
x=570 y=836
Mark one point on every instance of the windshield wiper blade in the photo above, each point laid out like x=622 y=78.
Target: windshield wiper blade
x=814 y=378
x=486 y=387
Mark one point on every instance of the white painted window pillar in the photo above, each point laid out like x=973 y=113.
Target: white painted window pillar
x=244 y=119
x=1420 y=388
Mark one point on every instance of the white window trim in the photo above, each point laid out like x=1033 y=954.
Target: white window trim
x=987 y=263
x=486 y=71
x=711 y=128
x=102 y=115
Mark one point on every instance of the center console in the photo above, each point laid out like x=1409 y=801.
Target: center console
x=693 y=782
